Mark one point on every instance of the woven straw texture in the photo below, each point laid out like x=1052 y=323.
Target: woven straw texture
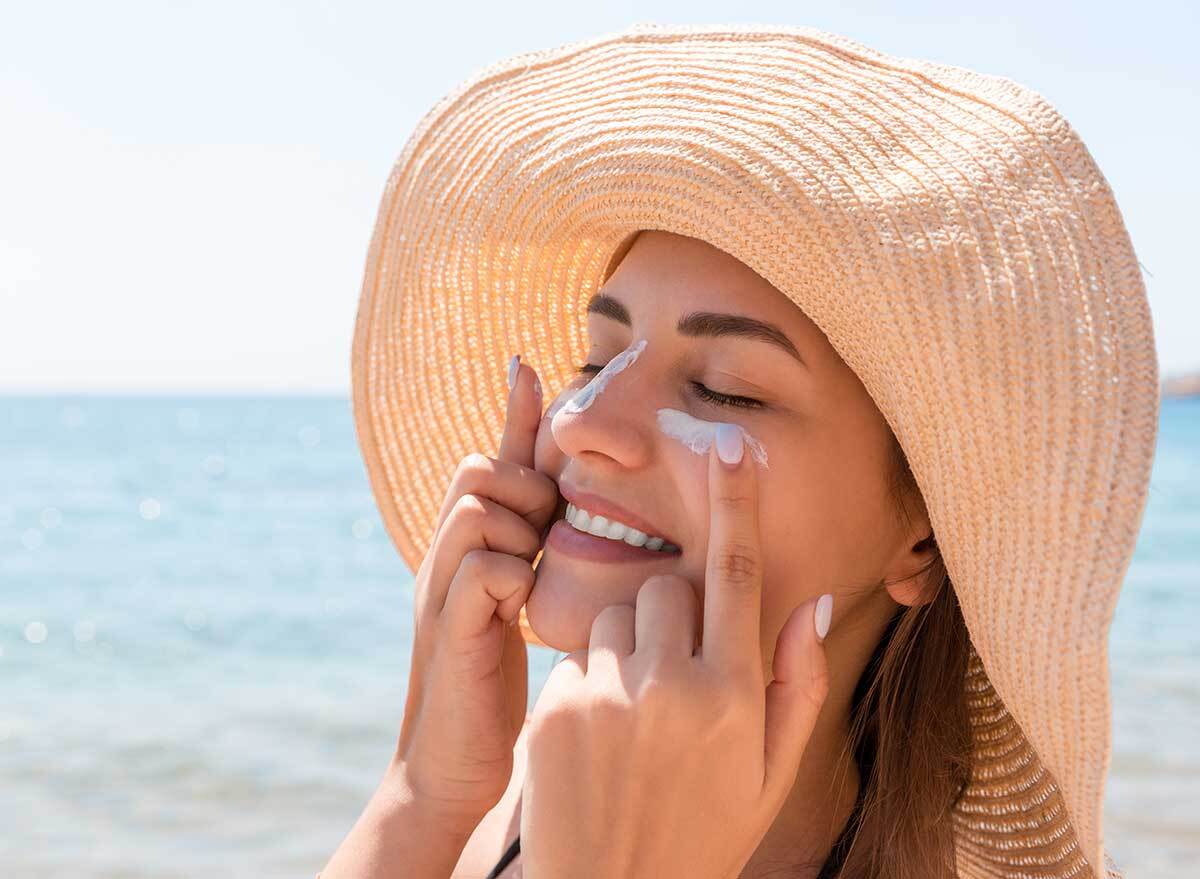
x=950 y=234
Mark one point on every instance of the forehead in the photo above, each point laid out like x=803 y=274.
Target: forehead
x=677 y=274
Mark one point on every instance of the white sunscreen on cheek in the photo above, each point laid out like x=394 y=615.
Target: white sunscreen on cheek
x=697 y=434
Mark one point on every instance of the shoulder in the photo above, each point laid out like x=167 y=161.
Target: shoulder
x=500 y=826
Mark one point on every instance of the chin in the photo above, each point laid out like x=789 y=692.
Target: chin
x=567 y=597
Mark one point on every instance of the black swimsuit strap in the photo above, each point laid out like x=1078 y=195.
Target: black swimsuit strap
x=828 y=870
x=506 y=858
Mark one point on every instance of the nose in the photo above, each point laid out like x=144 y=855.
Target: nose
x=609 y=417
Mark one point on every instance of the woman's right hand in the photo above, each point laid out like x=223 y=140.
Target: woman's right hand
x=468 y=682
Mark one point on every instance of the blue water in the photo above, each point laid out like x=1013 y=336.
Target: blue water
x=204 y=640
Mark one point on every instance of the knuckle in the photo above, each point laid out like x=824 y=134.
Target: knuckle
x=529 y=538
x=474 y=563
x=666 y=589
x=738 y=566
x=818 y=687
x=652 y=581
x=471 y=472
x=524 y=576
x=727 y=712
x=609 y=706
x=547 y=488
x=470 y=507
x=664 y=582
x=614 y=614
x=476 y=462
x=550 y=722
x=734 y=503
x=656 y=688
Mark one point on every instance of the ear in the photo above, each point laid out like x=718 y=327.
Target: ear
x=906 y=579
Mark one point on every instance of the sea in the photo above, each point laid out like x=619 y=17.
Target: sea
x=205 y=635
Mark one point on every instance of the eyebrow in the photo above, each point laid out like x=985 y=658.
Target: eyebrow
x=705 y=323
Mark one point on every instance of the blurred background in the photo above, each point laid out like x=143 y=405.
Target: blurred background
x=204 y=629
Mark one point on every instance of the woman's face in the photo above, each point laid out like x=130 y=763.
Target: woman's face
x=827 y=522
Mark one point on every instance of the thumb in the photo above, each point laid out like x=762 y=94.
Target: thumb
x=796 y=695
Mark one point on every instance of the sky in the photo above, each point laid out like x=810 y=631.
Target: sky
x=187 y=189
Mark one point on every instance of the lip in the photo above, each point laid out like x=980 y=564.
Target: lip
x=569 y=540
x=595 y=504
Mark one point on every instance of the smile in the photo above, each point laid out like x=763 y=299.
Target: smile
x=590 y=527
x=612 y=529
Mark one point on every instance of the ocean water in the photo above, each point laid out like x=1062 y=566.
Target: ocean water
x=204 y=641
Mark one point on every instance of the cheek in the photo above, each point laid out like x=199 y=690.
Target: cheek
x=826 y=528
x=790 y=543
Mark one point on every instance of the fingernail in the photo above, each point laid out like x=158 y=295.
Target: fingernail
x=537 y=387
x=729 y=443
x=823 y=616
x=513 y=364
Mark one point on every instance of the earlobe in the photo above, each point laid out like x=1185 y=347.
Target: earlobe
x=907 y=592
x=912 y=588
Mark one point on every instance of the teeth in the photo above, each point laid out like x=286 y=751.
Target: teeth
x=635 y=537
x=599 y=526
x=611 y=529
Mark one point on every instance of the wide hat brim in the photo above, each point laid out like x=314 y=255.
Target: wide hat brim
x=949 y=233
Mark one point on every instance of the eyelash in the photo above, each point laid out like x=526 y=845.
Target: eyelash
x=704 y=393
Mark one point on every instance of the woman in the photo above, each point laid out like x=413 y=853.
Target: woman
x=836 y=475
x=876 y=394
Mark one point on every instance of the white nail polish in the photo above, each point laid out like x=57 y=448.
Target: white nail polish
x=823 y=616
x=728 y=438
x=513 y=365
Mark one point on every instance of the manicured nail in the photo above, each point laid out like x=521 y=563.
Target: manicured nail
x=729 y=442
x=513 y=364
x=823 y=616
x=537 y=388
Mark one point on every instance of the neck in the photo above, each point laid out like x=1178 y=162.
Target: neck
x=800 y=839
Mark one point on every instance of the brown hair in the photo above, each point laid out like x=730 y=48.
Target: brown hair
x=909 y=731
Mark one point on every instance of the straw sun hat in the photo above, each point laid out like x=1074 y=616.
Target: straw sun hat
x=947 y=230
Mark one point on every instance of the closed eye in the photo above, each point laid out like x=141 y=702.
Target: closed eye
x=701 y=391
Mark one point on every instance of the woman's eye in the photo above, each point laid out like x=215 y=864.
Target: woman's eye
x=725 y=399
x=704 y=393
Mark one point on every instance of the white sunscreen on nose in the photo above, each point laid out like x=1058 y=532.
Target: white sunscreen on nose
x=559 y=402
x=589 y=392
x=698 y=434
x=583 y=398
x=578 y=399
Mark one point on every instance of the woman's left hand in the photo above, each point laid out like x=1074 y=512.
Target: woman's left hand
x=649 y=757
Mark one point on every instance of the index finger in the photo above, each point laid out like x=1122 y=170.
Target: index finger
x=510 y=475
x=733 y=570
x=523 y=415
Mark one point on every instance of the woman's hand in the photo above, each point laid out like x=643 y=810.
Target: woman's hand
x=468 y=685
x=647 y=759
